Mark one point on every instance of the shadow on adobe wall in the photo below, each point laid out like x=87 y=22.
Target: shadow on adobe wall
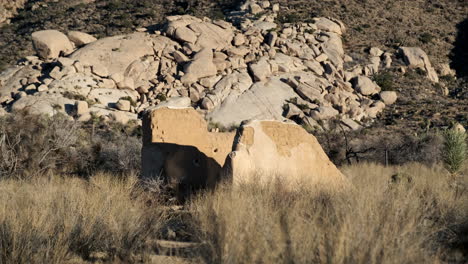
x=459 y=54
x=184 y=169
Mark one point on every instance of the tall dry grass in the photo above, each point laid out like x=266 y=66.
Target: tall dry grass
x=408 y=214
x=412 y=217
x=57 y=220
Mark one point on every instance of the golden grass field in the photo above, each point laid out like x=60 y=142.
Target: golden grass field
x=382 y=220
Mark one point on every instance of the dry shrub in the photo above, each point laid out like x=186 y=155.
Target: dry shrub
x=55 y=220
x=109 y=151
x=32 y=145
x=381 y=147
x=380 y=221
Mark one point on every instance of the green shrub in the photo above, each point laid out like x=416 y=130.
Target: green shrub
x=309 y=128
x=161 y=97
x=448 y=78
x=289 y=18
x=426 y=38
x=217 y=14
x=384 y=80
x=3 y=65
x=128 y=98
x=455 y=150
x=74 y=96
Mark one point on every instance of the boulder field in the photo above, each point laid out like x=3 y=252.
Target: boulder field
x=249 y=68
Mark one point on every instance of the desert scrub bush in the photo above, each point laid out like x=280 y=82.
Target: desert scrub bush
x=384 y=80
x=161 y=97
x=216 y=14
x=380 y=221
x=3 y=65
x=58 y=219
x=74 y=96
x=455 y=150
x=107 y=147
x=32 y=145
x=128 y=98
x=426 y=38
x=395 y=148
x=288 y=18
x=362 y=28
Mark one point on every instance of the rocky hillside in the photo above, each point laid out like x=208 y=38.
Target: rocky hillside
x=259 y=70
x=10 y=8
x=313 y=64
x=100 y=18
x=435 y=26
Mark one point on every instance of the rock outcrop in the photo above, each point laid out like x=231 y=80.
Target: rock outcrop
x=417 y=58
x=79 y=38
x=261 y=101
x=116 y=54
x=388 y=97
x=50 y=44
x=201 y=33
x=46 y=104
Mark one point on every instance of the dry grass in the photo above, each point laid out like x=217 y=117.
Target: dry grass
x=57 y=220
x=416 y=216
x=381 y=221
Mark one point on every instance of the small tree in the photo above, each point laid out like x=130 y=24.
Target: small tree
x=455 y=150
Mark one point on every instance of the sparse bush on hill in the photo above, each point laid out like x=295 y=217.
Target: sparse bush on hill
x=426 y=38
x=384 y=80
x=3 y=65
